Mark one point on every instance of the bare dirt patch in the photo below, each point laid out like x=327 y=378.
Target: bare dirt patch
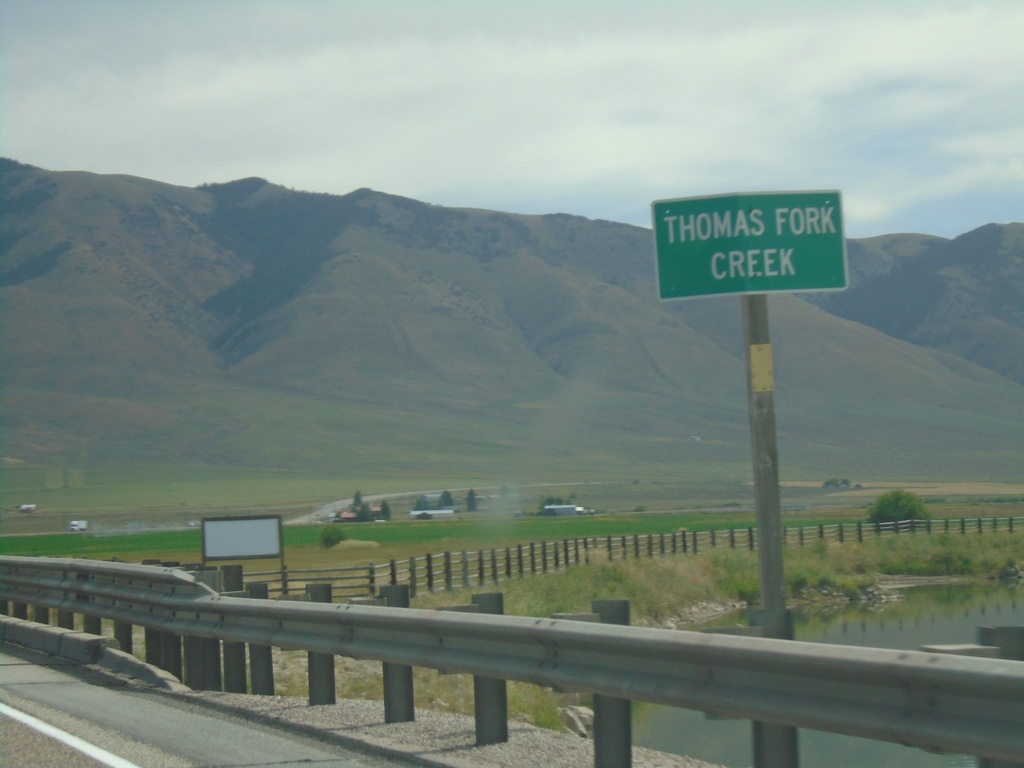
x=870 y=489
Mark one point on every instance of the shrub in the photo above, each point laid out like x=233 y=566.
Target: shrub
x=331 y=535
x=897 y=505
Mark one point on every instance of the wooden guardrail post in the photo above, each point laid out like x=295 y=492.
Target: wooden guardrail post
x=490 y=695
x=92 y=625
x=234 y=653
x=204 y=652
x=1009 y=641
x=399 y=704
x=122 y=633
x=320 y=665
x=169 y=645
x=261 y=658
x=613 y=717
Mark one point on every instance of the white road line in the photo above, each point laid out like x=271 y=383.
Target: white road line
x=64 y=737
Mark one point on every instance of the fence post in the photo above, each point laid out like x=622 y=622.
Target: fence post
x=609 y=546
x=234 y=653
x=613 y=717
x=490 y=695
x=399 y=702
x=320 y=665
x=412 y=577
x=695 y=543
x=750 y=538
x=465 y=569
x=448 y=571
x=430 y=572
x=519 y=553
x=544 y=557
x=481 y=567
x=261 y=658
x=841 y=537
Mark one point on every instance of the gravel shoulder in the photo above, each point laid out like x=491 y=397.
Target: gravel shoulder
x=433 y=739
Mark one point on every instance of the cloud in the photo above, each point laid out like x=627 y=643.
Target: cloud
x=530 y=107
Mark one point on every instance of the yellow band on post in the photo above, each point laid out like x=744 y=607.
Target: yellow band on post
x=762 y=379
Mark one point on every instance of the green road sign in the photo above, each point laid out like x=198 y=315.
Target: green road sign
x=756 y=242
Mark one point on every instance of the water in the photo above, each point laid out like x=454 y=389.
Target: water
x=927 y=616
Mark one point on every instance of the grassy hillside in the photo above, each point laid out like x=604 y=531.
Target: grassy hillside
x=247 y=328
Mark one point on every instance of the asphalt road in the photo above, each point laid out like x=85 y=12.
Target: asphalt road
x=132 y=726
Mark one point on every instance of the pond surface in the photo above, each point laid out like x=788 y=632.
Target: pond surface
x=926 y=616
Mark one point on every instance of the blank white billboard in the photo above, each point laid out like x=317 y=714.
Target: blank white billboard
x=241 y=538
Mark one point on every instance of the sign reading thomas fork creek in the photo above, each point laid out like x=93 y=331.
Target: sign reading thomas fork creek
x=756 y=242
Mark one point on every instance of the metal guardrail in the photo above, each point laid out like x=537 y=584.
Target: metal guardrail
x=938 y=702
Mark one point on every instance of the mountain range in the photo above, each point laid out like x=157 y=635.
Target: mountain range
x=245 y=324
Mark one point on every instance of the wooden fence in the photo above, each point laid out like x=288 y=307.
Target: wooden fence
x=453 y=570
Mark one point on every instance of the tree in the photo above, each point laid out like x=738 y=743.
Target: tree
x=897 y=505
x=446 y=501
x=471 y=501
x=361 y=508
x=330 y=536
x=385 y=510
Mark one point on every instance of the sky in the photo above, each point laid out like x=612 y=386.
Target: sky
x=913 y=110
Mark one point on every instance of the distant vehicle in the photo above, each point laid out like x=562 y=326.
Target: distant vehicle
x=26 y=507
x=432 y=514
x=563 y=510
x=78 y=525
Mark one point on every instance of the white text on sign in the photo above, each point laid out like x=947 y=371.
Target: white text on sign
x=717 y=224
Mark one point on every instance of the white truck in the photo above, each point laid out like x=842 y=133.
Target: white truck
x=78 y=525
